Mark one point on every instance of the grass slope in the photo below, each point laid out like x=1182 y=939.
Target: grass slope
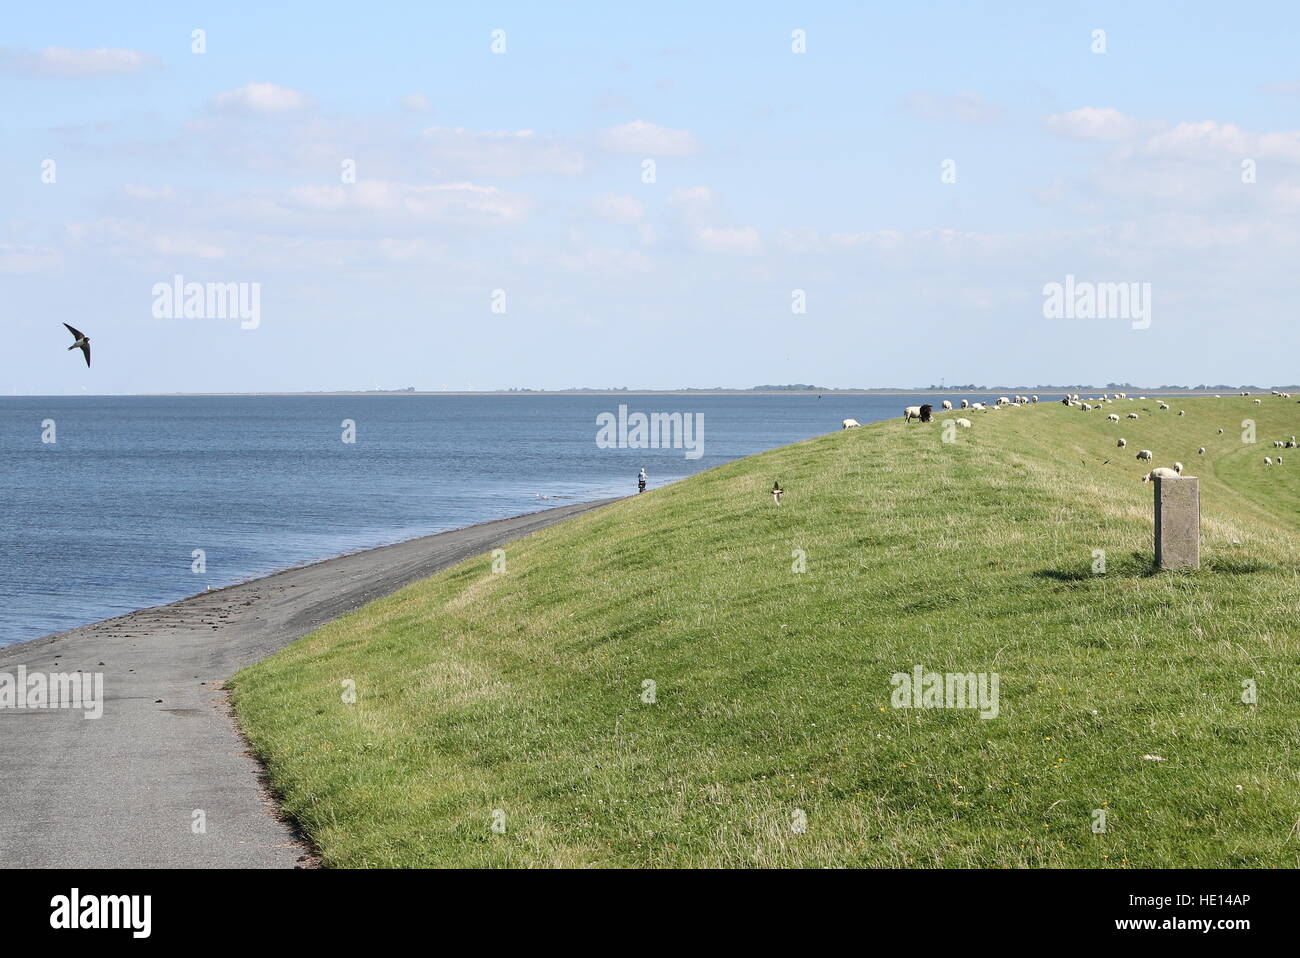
x=523 y=691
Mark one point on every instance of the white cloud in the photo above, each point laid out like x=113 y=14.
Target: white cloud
x=64 y=61
x=416 y=103
x=261 y=98
x=149 y=192
x=499 y=153
x=21 y=258
x=1093 y=123
x=446 y=202
x=723 y=239
x=618 y=208
x=644 y=138
x=966 y=107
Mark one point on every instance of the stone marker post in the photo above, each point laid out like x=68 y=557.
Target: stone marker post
x=1178 y=523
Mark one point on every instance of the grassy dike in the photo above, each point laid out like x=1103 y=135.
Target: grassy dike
x=523 y=691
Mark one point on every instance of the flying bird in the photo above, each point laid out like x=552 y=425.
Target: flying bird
x=82 y=342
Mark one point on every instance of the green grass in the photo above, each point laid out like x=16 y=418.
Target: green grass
x=522 y=691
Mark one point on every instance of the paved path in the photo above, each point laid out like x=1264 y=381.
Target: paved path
x=121 y=791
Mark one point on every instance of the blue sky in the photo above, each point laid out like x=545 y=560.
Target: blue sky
x=522 y=171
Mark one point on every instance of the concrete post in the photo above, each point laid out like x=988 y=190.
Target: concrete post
x=1178 y=523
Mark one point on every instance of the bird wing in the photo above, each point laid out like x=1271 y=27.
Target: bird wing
x=85 y=348
x=76 y=333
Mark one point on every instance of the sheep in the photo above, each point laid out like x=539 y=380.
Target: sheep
x=1268 y=461
x=1291 y=443
x=1258 y=401
x=1122 y=443
x=964 y=423
x=1132 y=415
x=1033 y=399
x=947 y=404
x=850 y=424
x=1086 y=407
x=911 y=412
x=1113 y=418
x=1163 y=472
x=927 y=413
x=1278 y=460
x=965 y=404
x=1201 y=451
x=1164 y=405
x=1145 y=454
x=1003 y=400
x=1220 y=432
x=978 y=405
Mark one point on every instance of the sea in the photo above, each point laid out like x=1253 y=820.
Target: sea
x=109 y=504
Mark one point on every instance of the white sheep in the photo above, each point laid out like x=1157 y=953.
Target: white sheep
x=1163 y=472
x=1113 y=418
x=947 y=404
x=1182 y=412
x=964 y=423
x=1132 y=415
x=1003 y=400
x=850 y=424
x=1164 y=405
x=1144 y=454
x=1033 y=399
x=1086 y=407
x=1268 y=461
x=1201 y=451
x=1258 y=401
x=1278 y=460
x=1122 y=443
x=965 y=404
x=1291 y=443
x=911 y=412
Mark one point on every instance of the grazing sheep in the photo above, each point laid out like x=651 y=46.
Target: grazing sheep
x=1033 y=399
x=1291 y=443
x=947 y=404
x=1278 y=460
x=1113 y=418
x=1132 y=415
x=1003 y=400
x=1182 y=412
x=1164 y=405
x=1086 y=407
x=1163 y=472
x=1268 y=461
x=1201 y=451
x=911 y=412
x=965 y=404
x=1220 y=432
x=978 y=405
x=850 y=424
x=1258 y=401
x=1145 y=454
x=1122 y=443
x=964 y=423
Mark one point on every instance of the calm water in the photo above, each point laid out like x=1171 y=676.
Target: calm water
x=105 y=520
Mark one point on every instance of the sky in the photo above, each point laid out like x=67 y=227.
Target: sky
x=459 y=196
